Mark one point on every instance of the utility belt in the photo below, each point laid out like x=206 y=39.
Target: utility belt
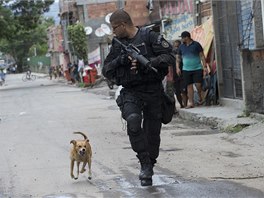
x=126 y=78
x=147 y=86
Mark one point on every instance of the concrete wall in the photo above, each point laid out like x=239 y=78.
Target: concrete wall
x=252 y=79
x=259 y=41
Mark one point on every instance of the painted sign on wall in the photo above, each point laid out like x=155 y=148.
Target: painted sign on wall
x=183 y=22
x=94 y=56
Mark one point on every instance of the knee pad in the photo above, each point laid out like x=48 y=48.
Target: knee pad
x=134 y=122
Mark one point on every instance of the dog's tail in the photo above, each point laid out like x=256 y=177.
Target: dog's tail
x=84 y=136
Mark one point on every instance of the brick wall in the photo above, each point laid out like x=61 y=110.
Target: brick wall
x=206 y=9
x=136 y=8
x=138 y=11
x=100 y=10
x=252 y=78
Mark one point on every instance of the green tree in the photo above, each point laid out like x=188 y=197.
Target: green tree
x=6 y=22
x=40 y=36
x=23 y=28
x=78 y=40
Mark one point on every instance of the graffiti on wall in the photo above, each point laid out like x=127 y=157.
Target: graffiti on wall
x=183 y=22
x=181 y=14
x=204 y=34
x=176 y=7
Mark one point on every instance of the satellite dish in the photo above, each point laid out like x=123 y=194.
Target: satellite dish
x=99 y=32
x=106 y=29
x=107 y=17
x=88 y=30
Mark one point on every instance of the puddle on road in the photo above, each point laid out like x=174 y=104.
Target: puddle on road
x=159 y=180
x=164 y=186
x=130 y=186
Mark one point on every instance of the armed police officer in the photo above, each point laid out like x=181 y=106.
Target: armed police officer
x=140 y=99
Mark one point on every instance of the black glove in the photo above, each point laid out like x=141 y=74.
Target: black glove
x=155 y=62
x=159 y=62
x=123 y=59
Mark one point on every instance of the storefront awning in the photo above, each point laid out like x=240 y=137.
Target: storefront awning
x=204 y=34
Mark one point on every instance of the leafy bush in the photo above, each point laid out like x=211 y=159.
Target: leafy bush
x=78 y=40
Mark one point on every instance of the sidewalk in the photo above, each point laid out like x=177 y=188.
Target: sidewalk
x=228 y=116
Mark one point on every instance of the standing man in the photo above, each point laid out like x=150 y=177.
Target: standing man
x=140 y=99
x=80 y=69
x=50 y=72
x=194 y=66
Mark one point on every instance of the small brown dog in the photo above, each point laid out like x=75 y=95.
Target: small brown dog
x=81 y=152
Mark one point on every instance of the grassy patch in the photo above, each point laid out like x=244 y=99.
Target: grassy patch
x=82 y=85
x=236 y=128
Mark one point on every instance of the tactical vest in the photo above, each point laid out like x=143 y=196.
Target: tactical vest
x=127 y=78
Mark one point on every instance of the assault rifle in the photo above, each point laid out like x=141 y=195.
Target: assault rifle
x=134 y=52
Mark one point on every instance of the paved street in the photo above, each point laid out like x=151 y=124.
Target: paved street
x=38 y=119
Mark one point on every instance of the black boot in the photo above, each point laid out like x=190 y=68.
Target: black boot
x=153 y=162
x=146 y=182
x=146 y=170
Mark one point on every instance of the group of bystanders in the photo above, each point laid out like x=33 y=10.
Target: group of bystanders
x=56 y=71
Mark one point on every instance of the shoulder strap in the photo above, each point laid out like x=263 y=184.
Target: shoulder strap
x=144 y=32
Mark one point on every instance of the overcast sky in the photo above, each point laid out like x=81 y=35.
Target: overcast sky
x=54 y=11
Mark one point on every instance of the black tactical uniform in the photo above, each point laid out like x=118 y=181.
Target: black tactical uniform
x=140 y=97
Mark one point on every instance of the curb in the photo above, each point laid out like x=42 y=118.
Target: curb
x=225 y=125
x=196 y=117
x=257 y=116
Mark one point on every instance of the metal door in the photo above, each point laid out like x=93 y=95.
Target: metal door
x=227 y=18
